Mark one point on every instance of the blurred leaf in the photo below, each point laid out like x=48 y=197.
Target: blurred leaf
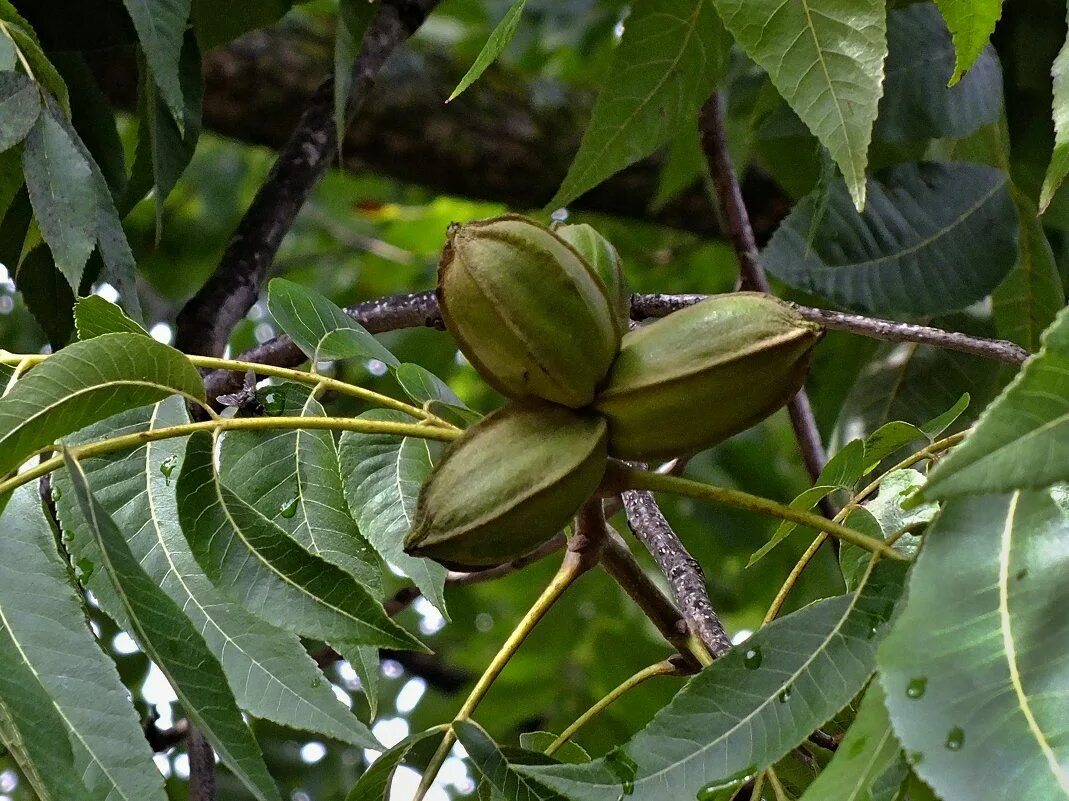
x=971 y=24
x=216 y=23
x=8 y=54
x=891 y=784
x=672 y=55
x=47 y=295
x=29 y=45
x=164 y=151
x=383 y=475
x=169 y=639
x=495 y=769
x=87 y=382
x=374 y=784
x=58 y=178
x=44 y=623
x=354 y=18
x=94 y=316
x=161 y=26
x=750 y=707
x=421 y=385
x=20 y=105
x=935 y=237
x=826 y=59
x=256 y=562
x=493 y=48
x=320 y=328
x=975 y=669
x=684 y=166
x=1022 y=439
x=365 y=662
x=887 y=439
x=917 y=102
x=868 y=749
x=269 y=670
x=1059 y=161
x=1030 y=297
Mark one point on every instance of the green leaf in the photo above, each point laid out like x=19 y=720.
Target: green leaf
x=43 y=70
x=365 y=662
x=935 y=237
x=887 y=439
x=917 y=103
x=47 y=295
x=94 y=316
x=940 y=423
x=868 y=749
x=841 y=472
x=374 y=783
x=42 y=617
x=494 y=47
x=750 y=707
x=1022 y=439
x=1059 y=161
x=971 y=24
x=976 y=668
x=494 y=767
x=293 y=478
x=87 y=382
x=383 y=475
x=684 y=165
x=320 y=328
x=217 y=23
x=421 y=385
x=274 y=577
x=169 y=639
x=672 y=55
x=32 y=730
x=1030 y=297
x=20 y=105
x=269 y=670
x=354 y=18
x=161 y=26
x=59 y=181
x=826 y=58
x=8 y=54
x=163 y=149
x=571 y=751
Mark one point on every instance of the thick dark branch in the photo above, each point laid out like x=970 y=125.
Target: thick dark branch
x=201 y=768
x=740 y=231
x=420 y=309
x=204 y=325
x=509 y=138
x=684 y=574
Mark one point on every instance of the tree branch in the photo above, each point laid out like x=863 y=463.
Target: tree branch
x=684 y=574
x=737 y=219
x=204 y=324
x=201 y=767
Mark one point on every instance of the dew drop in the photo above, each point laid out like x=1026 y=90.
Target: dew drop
x=785 y=694
x=724 y=789
x=57 y=492
x=317 y=682
x=752 y=658
x=955 y=739
x=167 y=467
x=915 y=757
x=274 y=403
x=916 y=687
x=289 y=508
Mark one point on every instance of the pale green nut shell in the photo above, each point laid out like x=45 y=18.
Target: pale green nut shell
x=602 y=256
x=527 y=310
x=691 y=380
x=508 y=485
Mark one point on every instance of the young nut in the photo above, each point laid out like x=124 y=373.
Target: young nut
x=527 y=310
x=700 y=375
x=509 y=484
x=602 y=256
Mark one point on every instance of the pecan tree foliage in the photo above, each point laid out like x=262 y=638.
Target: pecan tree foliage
x=208 y=485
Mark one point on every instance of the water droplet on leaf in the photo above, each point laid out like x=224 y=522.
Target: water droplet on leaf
x=916 y=687
x=752 y=658
x=167 y=467
x=289 y=508
x=57 y=492
x=317 y=682
x=785 y=694
x=915 y=757
x=274 y=403
x=955 y=739
x=724 y=789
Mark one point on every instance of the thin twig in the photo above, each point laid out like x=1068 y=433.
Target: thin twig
x=740 y=232
x=684 y=574
x=201 y=768
x=204 y=324
x=420 y=310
